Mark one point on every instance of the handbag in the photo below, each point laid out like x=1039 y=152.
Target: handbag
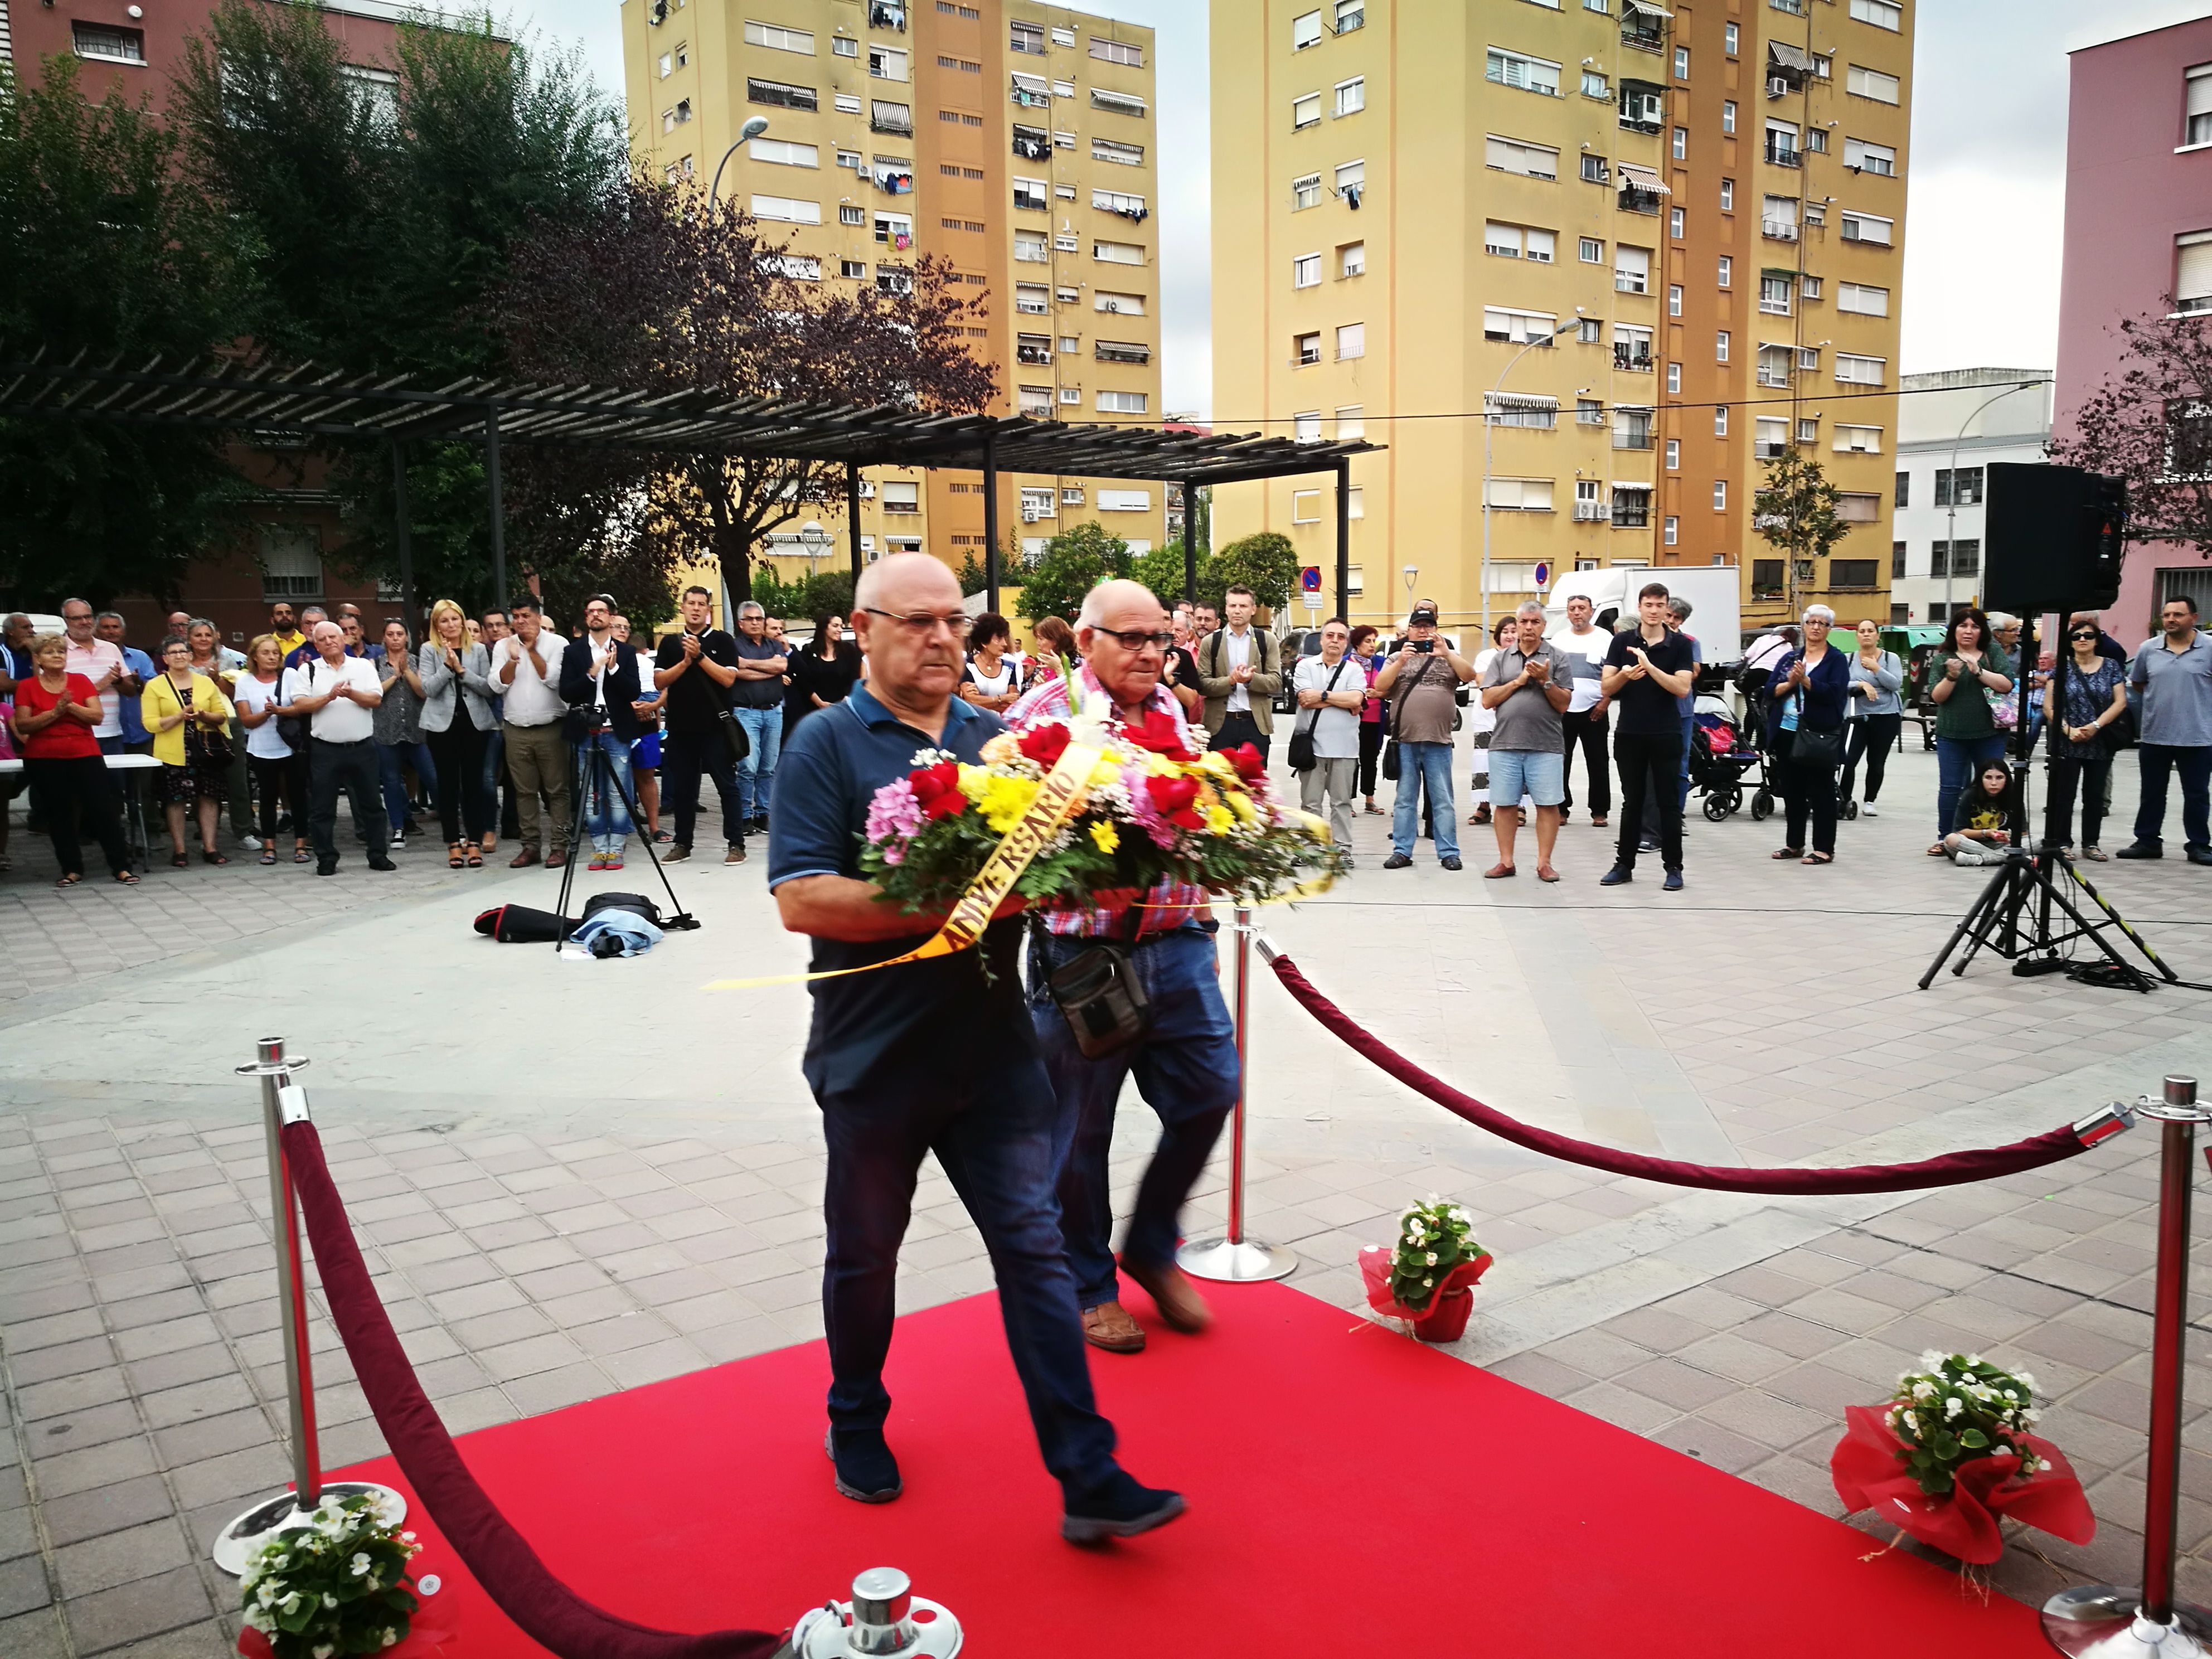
x=1101 y=998
x=1811 y=748
x=1302 y=755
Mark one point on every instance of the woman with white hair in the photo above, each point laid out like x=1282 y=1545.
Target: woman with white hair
x=1811 y=687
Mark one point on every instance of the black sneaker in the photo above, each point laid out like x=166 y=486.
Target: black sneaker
x=1397 y=861
x=759 y=826
x=2141 y=850
x=382 y=864
x=1451 y=862
x=866 y=1471
x=1122 y=1508
x=327 y=869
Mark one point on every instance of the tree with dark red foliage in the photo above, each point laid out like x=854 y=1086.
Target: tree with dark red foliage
x=663 y=291
x=2150 y=422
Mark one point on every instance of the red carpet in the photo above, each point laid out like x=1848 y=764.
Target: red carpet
x=1352 y=1493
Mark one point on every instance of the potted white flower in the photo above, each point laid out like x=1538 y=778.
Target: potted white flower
x=336 y=1584
x=1428 y=1279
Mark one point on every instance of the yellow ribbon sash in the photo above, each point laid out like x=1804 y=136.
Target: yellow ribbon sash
x=1058 y=799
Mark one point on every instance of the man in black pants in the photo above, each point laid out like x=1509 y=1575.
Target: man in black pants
x=695 y=668
x=1648 y=669
x=338 y=694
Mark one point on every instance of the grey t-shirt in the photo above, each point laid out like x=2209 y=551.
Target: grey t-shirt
x=1336 y=731
x=1526 y=721
x=2176 y=688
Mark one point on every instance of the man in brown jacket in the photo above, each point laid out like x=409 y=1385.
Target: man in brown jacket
x=1240 y=669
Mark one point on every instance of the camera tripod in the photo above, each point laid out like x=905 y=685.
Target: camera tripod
x=2013 y=914
x=593 y=769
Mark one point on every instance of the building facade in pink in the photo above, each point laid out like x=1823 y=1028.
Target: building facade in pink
x=2138 y=199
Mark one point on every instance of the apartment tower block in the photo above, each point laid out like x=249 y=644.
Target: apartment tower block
x=1564 y=245
x=1013 y=141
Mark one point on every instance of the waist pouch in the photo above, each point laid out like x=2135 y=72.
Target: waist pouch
x=1099 y=995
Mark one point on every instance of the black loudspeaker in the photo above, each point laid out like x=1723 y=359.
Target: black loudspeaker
x=2051 y=538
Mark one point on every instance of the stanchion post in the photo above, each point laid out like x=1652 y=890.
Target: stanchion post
x=1234 y=1258
x=283 y=1102
x=2102 y=1621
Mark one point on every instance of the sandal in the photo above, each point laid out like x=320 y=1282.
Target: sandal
x=1819 y=858
x=124 y=877
x=1787 y=853
x=454 y=859
x=267 y=856
x=1936 y=851
x=214 y=857
x=179 y=861
x=299 y=855
x=70 y=881
x=472 y=855
x=2094 y=855
x=1372 y=811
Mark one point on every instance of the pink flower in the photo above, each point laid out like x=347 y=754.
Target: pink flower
x=893 y=816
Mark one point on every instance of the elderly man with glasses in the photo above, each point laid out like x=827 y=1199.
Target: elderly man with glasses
x=930 y=1056
x=1186 y=1061
x=757 y=699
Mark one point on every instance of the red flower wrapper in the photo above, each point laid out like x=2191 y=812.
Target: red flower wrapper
x=1870 y=1474
x=1375 y=1270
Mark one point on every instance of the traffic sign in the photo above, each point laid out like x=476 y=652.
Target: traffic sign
x=1543 y=572
x=1309 y=578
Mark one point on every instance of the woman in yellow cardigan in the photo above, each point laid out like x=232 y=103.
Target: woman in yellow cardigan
x=187 y=715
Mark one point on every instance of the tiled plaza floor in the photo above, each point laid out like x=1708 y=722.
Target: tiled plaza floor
x=575 y=1178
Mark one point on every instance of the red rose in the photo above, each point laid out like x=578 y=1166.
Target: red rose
x=1159 y=731
x=1248 y=762
x=936 y=789
x=1045 y=745
x=1172 y=798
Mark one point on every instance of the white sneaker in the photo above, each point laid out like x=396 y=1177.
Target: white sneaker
x=250 y=843
x=1866 y=810
x=396 y=843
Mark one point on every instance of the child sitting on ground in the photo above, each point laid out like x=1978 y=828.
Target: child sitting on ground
x=1982 y=826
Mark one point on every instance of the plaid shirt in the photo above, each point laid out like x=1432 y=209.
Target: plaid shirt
x=1169 y=903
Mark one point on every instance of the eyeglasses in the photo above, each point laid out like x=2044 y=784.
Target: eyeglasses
x=922 y=623
x=1136 y=639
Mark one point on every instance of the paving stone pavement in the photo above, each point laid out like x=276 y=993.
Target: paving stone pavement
x=546 y=1231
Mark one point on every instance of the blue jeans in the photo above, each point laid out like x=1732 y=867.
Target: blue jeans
x=756 y=771
x=1429 y=762
x=606 y=810
x=1957 y=760
x=992 y=1128
x=2194 y=765
x=390 y=757
x=1186 y=1067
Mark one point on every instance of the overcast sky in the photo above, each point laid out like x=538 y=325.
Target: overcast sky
x=1986 y=170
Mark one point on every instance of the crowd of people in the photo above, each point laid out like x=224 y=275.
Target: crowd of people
x=503 y=726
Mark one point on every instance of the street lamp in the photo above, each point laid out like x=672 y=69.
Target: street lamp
x=1951 y=518
x=751 y=130
x=1412 y=572
x=816 y=540
x=1489 y=424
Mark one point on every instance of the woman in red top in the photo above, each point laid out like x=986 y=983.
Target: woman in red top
x=55 y=712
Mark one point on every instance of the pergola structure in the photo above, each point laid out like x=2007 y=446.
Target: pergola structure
x=253 y=397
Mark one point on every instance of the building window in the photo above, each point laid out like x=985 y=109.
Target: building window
x=1305 y=111
x=1521 y=495
x=1863 y=157
x=1904 y=496
x=1670 y=530
x=781 y=93
x=1862 y=83
x=1865 y=301
x=1351 y=95
x=2197 y=106
x=1305 y=349
x=1513 y=68
x=1025 y=38
x=1852 y=370
x=1350 y=14
x=291 y=560
x=1719 y=419
x=1594 y=85
x=1588 y=331
x=1116 y=253
x=1767 y=579
x=1517 y=242
x=1305 y=270
x=1897 y=561
x=1728 y=38
x=1673 y=454
x=1521 y=409
x=1728 y=115
x=1350 y=422
x=1721 y=346
x=1883 y=14
x=1588 y=412
x=1868 y=228
x=1682 y=150
x=1631 y=269
x=1351 y=180
x=1681 y=63
x=787 y=210
x=843 y=46
x=1305 y=192
x=852 y=268
x=1351 y=259
x=1592 y=250
x=1676 y=218
x=1305 y=506
x=1674 y=298
x=1675 y=380
x=1809 y=288
x=1520 y=327
x=1595 y=171
x=1858 y=440
x=1121 y=402
x=1305 y=31
x=1125 y=304
x=887 y=63
x=1774 y=293
x=1305 y=428
x=1350 y=341
x=1809 y=429
x=777 y=37
x=1117 y=52
x=112 y=46
x=1965 y=484
x=1122 y=154
x=783 y=152
x=1727 y=271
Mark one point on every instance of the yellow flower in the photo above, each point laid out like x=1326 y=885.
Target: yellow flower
x=1241 y=804
x=1105 y=837
x=1218 y=820
x=1316 y=827
x=1004 y=800
x=1218 y=765
x=974 y=780
x=1109 y=770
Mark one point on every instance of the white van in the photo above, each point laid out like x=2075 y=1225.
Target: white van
x=1716 y=601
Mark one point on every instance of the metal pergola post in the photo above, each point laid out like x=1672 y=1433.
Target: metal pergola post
x=853 y=520
x=991 y=520
x=402 y=535
x=498 y=505
x=1190 y=542
x=1343 y=540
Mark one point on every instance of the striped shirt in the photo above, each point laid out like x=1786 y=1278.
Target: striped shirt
x=1171 y=903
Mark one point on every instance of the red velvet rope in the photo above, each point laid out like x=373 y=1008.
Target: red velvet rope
x=549 y=1612
x=1951 y=1169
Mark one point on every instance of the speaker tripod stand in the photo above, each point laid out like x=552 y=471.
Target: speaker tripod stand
x=595 y=771
x=2014 y=918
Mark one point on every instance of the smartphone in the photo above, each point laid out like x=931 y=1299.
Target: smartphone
x=1424 y=646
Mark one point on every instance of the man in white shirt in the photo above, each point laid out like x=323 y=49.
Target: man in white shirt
x=525 y=668
x=338 y=694
x=1586 y=725
x=101 y=661
x=1240 y=669
x=1330 y=692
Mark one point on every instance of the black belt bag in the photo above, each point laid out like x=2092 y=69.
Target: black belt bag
x=1099 y=995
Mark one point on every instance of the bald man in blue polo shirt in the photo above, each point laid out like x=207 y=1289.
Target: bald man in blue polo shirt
x=930 y=1056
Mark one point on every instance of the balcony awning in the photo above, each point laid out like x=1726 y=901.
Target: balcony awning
x=1789 y=57
x=1645 y=7
x=1643 y=484
x=1528 y=400
x=1790 y=271
x=1644 y=178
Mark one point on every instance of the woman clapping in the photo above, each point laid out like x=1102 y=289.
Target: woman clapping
x=1811 y=685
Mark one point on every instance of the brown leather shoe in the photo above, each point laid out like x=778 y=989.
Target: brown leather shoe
x=1109 y=1325
x=1172 y=1292
x=557 y=858
x=523 y=859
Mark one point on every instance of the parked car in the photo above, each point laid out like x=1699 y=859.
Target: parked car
x=1298 y=644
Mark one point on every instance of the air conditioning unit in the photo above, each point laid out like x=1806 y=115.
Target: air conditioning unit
x=1777 y=86
x=1030 y=515
x=658 y=15
x=1115 y=307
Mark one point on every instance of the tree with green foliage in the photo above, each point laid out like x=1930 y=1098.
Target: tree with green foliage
x=1794 y=510
x=1265 y=561
x=824 y=593
x=974 y=578
x=1161 y=570
x=1073 y=563
x=103 y=248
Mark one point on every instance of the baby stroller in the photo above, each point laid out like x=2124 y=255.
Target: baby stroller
x=1723 y=762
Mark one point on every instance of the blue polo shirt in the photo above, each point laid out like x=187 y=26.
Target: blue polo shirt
x=885 y=1030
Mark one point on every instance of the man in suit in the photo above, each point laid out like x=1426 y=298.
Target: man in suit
x=1240 y=669
x=598 y=673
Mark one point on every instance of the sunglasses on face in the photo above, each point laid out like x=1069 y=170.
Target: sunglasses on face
x=2083 y=633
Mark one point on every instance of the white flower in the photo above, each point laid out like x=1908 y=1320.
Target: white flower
x=360 y=1564
x=290 y=1603
x=391 y=1636
x=1912 y=1422
x=2023 y=1380
x=1923 y=1389
x=1953 y=1405
x=329 y=1600
x=1931 y=1361
x=1973 y=1359
x=324 y=1651
x=1432 y=1260
x=1427 y=1282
